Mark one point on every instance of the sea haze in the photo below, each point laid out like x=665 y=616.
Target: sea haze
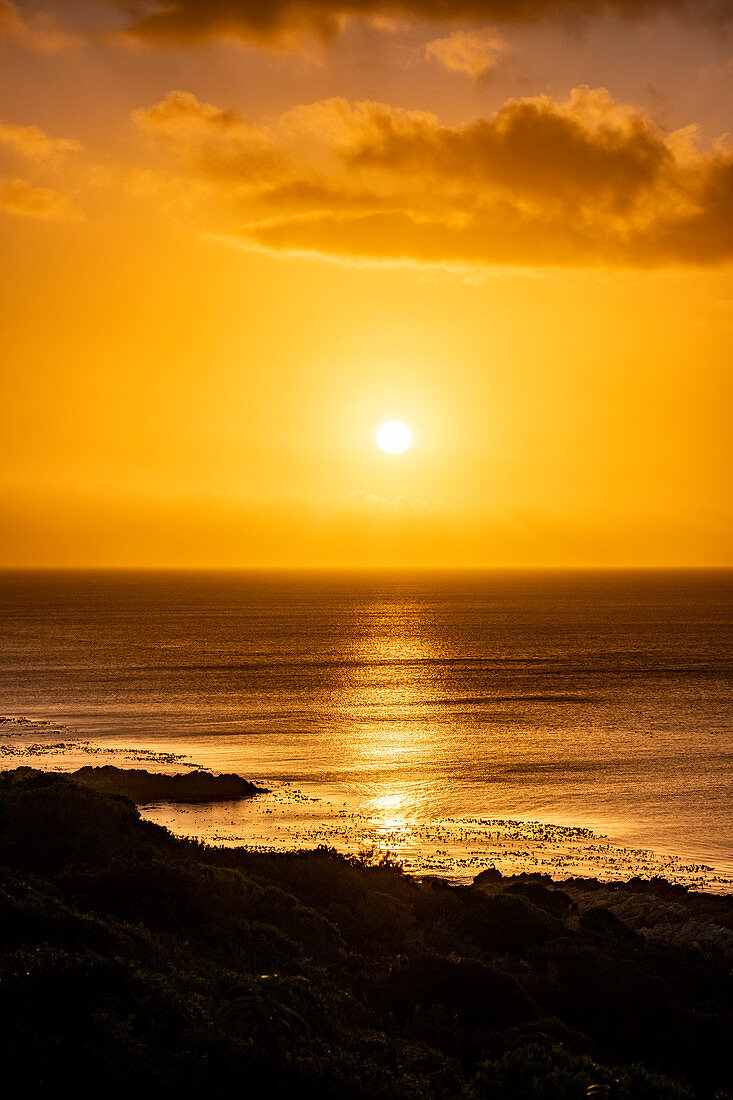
x=598 y=699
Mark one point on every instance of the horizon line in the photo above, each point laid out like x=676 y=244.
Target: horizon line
x=372 y=567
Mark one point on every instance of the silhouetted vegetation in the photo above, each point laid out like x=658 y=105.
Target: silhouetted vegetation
x=142 y=786
x=132 y=960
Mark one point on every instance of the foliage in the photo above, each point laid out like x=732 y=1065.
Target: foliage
x=133 y=960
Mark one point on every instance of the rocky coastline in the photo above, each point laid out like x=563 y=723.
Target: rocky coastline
x=142 y=786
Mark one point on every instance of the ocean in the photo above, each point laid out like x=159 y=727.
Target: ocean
x=576 y=721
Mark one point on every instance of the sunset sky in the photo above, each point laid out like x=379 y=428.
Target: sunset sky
x=239 y=235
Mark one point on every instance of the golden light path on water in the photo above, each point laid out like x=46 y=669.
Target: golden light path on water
x=388 y=755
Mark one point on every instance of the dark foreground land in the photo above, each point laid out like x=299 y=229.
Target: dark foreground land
x=135 y=963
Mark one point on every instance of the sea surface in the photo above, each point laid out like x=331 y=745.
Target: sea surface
x=571 y=721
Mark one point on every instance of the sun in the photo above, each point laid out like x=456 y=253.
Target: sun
x=394 y=437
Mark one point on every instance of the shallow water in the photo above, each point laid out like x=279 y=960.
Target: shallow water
x=589 y=699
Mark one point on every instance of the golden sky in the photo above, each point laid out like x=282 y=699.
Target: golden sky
x=238 y=235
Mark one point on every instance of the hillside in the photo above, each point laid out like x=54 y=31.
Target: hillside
x=132 y=960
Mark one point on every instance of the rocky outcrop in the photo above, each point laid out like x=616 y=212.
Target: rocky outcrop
x=143 y=786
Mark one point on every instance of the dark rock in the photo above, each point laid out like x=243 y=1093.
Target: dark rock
x=490 y=875
x=141 y=786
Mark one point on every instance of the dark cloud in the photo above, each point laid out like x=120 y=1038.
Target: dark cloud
x=10 y=21
x=180 y=22
x=586 y=181
x=531 y=147
x=38 y=32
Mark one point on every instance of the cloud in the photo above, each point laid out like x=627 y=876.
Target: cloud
x=31 y=142
x=581 y=182
x=182 y=22
x=39 y=196
x=19 y=197
x=10 y=21
x=40 y=32
x=475 y=53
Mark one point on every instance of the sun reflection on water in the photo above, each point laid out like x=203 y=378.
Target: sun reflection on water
x=394 y=673
x=389 y=816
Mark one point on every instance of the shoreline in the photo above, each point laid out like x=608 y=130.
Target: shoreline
x=292 y=817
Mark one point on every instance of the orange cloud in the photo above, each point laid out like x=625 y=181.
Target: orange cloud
x=19 y=197
x=10 y=21
x=585 y=181
x=31 y=142
x=182 y=22
x=39 y=196
x=475 y=53
x=40 y=32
